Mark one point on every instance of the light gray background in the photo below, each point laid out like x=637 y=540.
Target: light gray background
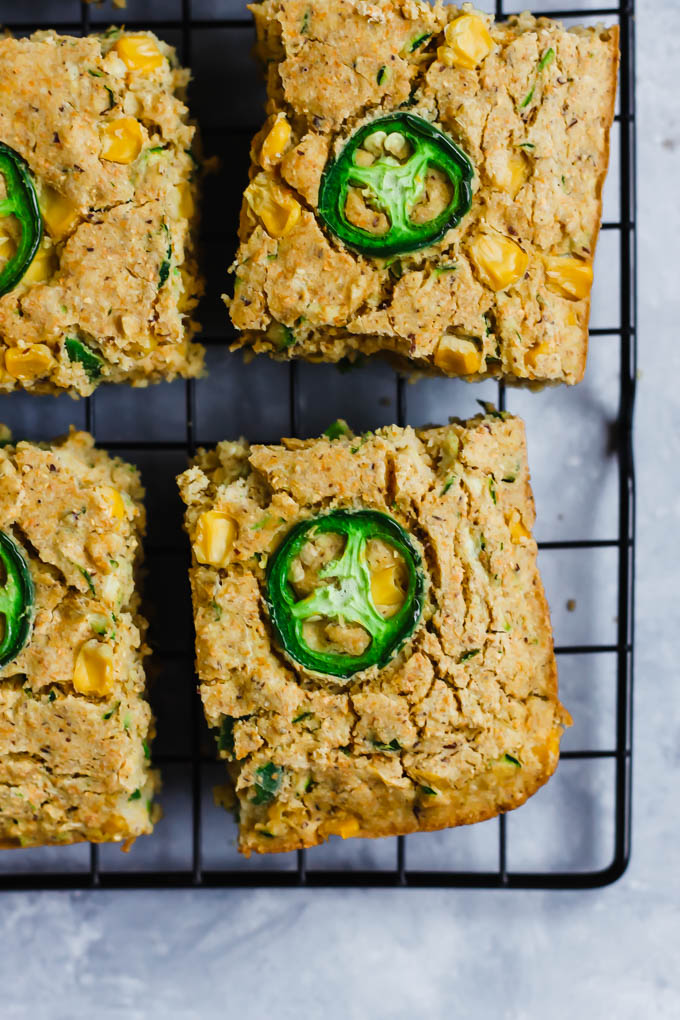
x=394 y=954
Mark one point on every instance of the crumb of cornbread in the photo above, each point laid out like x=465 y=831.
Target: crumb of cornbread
x=533 y=116
x=74 y=742
x=102 y=123
x=464 y=721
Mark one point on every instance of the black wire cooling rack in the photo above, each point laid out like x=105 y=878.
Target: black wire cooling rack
x=191 y=848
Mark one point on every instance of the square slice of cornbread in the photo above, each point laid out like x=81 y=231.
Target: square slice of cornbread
x=75 y=728
x=96 y=143
x=393 y=677
x=358 y=234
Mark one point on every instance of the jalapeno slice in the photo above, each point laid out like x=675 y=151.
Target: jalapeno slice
x=20 y=201
x=347 y=597
x=16 y=599
x=395 y=188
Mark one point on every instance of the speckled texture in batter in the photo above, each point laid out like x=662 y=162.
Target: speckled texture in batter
x=422 y=743
x=73 y=766
x=538 y=137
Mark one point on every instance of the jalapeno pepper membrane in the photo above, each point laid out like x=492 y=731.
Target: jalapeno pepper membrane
x=347 y=597
x=395 y=188
x=21 y=201
x=16 y=599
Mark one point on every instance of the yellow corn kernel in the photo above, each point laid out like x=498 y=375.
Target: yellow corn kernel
x=569 y=276
x=215 y=534
x=186 y=200
x=42 y=267
x=468 y=42
x=384 y=588
x=122 y=140
x=512 y=174
x=517 y=529
x=500 y=261
x=532 y=356
x=143 y=346
x=115 y=501
x=346 y=826
x=274 y=145
x=141 y=342
x=446 y=56
x=273 y=204
x=29 y=362
x=139 y=52
x=457 y=356
x=7 y=248
x=93 y=672
x=58 y=213
x=548 y=750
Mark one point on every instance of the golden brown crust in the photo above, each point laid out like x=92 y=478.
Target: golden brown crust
x=609 y=119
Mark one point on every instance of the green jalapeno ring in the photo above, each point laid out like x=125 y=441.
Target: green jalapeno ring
x=17 y=596
x=396 y=187
x=351 y=598
x=22 y=202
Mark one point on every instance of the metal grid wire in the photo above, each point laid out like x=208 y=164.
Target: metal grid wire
x=181 y=29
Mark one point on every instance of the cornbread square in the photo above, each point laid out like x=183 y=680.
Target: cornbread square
x=504 y=291
x=75 y=728
x=102 y=129
x=462 y=720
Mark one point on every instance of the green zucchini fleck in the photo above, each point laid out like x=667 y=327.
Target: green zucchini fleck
x=419 y=41
x=337 y=429
x=164 y=271
x=80 y=352
x=393 y=745
x=88 y=577
x=268 y=779
x=262 y=523
x=546 y=59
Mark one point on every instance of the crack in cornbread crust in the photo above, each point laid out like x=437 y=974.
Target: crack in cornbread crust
x=454 y=714
x=338 y=303
x=103 y=276
x=67 y=773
